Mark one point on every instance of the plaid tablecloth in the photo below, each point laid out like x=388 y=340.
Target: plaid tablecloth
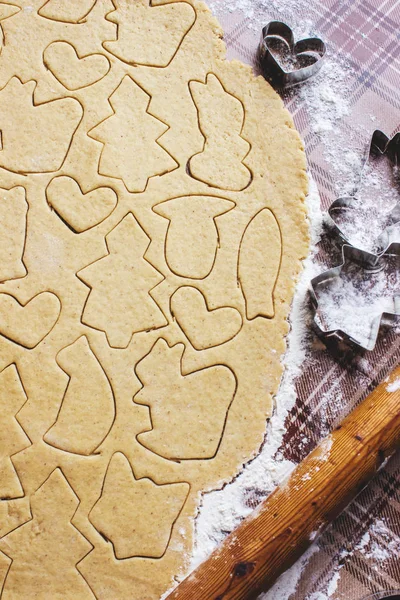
x=360 y=554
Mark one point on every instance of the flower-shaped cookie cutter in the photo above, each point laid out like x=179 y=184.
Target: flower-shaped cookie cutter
x=388 y=241
x=311 y=49
x=389 y=313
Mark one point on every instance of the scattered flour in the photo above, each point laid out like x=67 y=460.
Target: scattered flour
x=330 y=588
x=333 y=584
x=287 y=583
x=325 y=100
x=325 y=448
x=394 y=386
x=378 y=553
x=330 y=407
x=371 y=211
x=363 y=543
x=382 y=542
x=221 y=511
x=379 y=543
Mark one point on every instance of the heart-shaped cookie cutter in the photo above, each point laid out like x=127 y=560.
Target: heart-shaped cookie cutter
x=388 y=241
x=273 y=70
x=391 y=314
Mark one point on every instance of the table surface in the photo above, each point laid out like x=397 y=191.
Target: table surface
x=360 y=554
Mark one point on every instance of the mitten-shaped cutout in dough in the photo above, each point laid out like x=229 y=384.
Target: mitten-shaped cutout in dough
x=196 y=403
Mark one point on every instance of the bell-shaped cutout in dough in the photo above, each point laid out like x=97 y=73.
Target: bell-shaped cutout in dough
x=259 y=264
x=88 y=409
x=192 y=238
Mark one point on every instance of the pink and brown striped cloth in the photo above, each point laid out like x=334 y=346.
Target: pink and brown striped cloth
x=360 y=553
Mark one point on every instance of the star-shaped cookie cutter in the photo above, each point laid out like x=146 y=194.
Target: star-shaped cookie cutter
x=313 y=49
x=390 y=314
x=388 y=241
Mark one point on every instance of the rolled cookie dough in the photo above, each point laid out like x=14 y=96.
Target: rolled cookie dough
x=153 y=226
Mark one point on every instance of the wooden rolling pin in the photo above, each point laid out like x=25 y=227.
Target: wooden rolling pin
x=275 y=535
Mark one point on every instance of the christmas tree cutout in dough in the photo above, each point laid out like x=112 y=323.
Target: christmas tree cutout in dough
x=12 y=436
x=139 y=21
x=120 y=301
x=221 y=120
x=35 y=138
x=131 y=137
x=13 y=211
x=45 y=551
x=87 y=411
x=195 y=403
x=136 y=515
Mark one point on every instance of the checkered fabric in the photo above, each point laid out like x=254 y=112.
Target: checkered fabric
x=365 y=33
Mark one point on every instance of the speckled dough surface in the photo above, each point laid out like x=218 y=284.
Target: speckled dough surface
x=152 y=226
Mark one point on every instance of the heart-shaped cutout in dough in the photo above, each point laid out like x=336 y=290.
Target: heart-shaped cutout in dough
x=72 y=71
x=78 y=210
x=28 y=324
x=203 y=327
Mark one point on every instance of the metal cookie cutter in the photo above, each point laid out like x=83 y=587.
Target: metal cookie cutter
x=309 y=52
x=389 y=240
x=365 y=339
